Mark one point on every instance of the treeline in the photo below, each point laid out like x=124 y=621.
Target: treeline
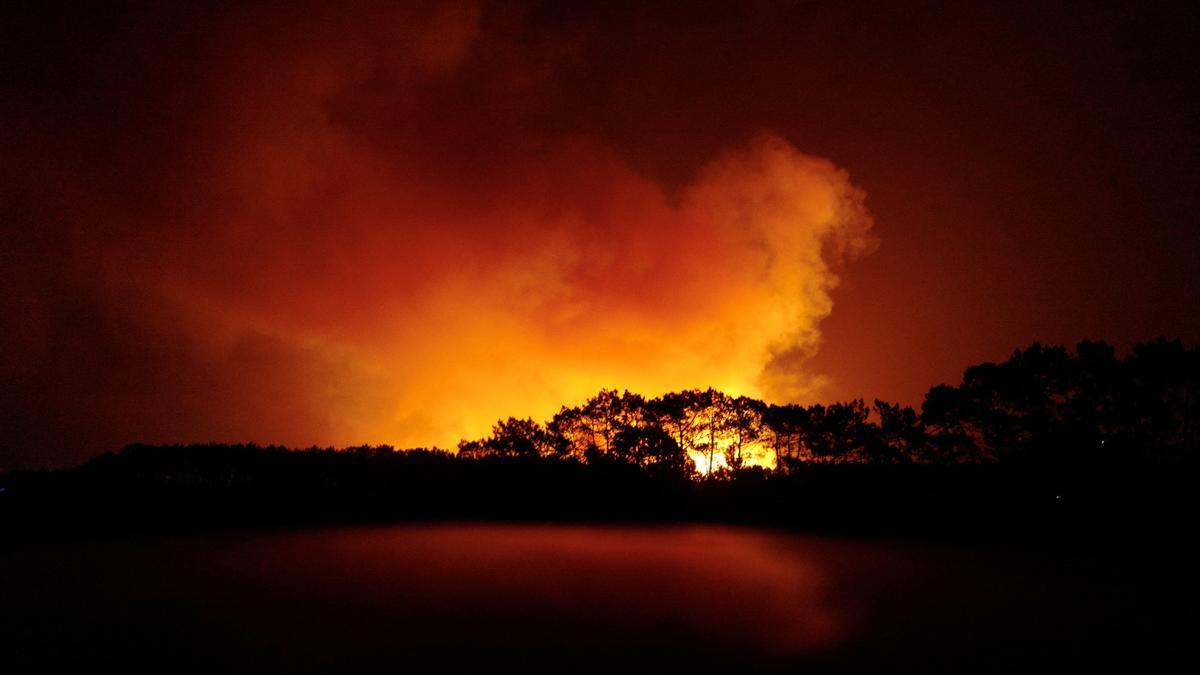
x=1045 y=404
x=1048 y=439
x=216 y=486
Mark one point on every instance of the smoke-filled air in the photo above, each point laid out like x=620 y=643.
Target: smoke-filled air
x=362 y=229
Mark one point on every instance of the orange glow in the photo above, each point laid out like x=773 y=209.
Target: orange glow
x=359 y=244
x=754 y=454
x=394 y=222
x=440 y=318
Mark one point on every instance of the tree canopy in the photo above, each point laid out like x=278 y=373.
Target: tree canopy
x=1044 y=404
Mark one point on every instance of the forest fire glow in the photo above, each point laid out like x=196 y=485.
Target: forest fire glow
x=420 y=334
x=345 y=251
x=725 y=291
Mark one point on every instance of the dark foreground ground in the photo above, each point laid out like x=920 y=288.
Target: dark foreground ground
x=587 y=598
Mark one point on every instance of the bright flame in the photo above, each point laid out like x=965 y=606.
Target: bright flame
x=754 y=454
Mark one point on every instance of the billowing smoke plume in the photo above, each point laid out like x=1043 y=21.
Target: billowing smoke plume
x=375 y=229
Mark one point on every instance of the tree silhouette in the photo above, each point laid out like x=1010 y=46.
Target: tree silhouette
x=900 y=437
x=785 y=427
x=512 y=438
x=708 y=409
x=1044 y=408
x=677 y=415
x=597 y=422
x=1165 y=378
x=1044 y=405
x=741 y=419
x=653 y=449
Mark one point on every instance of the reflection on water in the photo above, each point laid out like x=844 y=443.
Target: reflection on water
x=601 y=586
x=561 y=599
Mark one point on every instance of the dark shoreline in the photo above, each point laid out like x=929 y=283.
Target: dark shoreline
x=168 y=491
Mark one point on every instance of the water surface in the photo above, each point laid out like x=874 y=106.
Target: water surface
x=574 y=598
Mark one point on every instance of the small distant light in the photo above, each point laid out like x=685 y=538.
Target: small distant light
x=1058 y=499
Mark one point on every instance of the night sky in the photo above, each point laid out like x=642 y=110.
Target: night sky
x=322 y=224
